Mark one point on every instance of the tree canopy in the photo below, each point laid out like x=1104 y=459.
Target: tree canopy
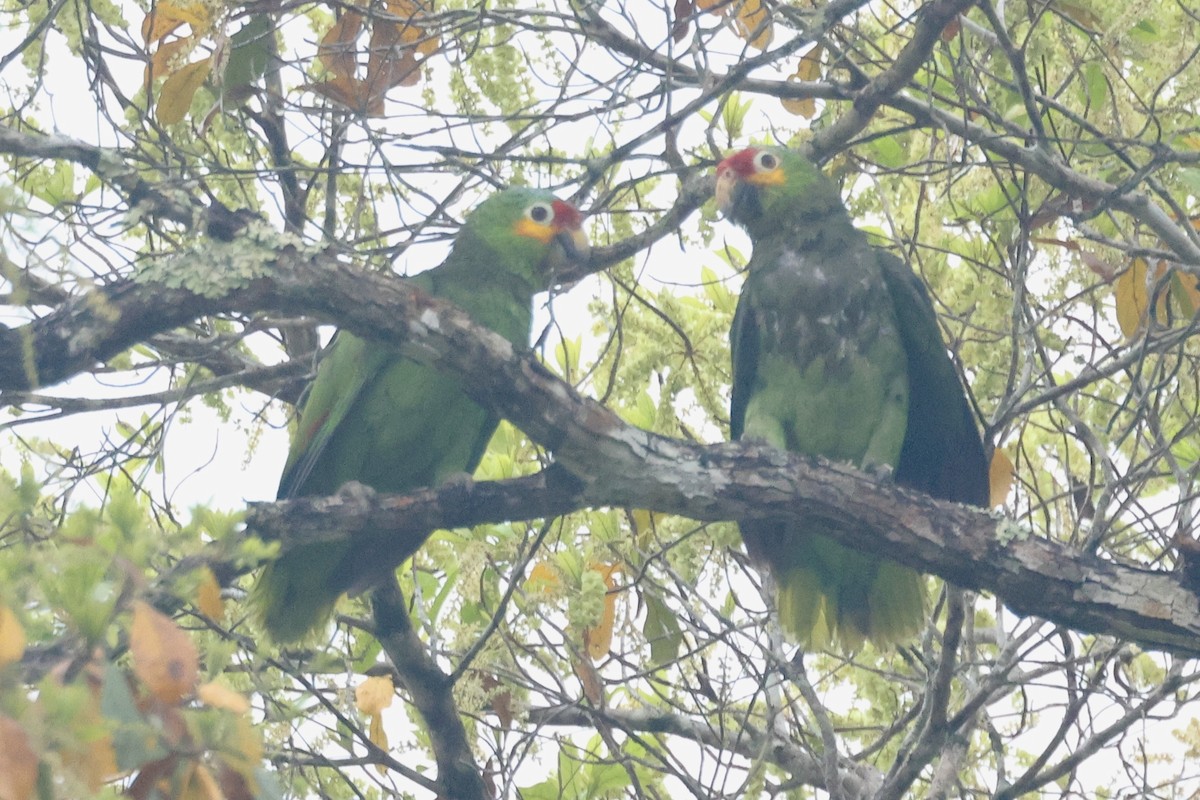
x=197 y=193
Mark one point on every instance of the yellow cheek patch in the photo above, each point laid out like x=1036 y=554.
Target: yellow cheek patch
x=773 y=177
x=534 y=230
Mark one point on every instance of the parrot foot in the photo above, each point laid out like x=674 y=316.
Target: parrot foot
x=884 y=473
x=458 y=480
x=357 y=495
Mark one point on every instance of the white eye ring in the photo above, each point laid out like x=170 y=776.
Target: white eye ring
x=765 y=161
x=541 y=213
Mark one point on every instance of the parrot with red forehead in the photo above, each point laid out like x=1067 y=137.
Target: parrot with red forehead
x=837 y=353
x=376 y=417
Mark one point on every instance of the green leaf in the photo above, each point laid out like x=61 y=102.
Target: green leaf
x=661 y=630
x=249 y=55
x=133 y=739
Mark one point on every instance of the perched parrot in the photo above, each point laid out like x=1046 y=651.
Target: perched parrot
x=376 y=417
x=837 y=353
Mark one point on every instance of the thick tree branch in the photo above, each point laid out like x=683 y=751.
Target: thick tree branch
x=622 y=465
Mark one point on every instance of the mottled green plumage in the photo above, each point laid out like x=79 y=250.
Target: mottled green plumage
x=376 y=417
x=837 y=353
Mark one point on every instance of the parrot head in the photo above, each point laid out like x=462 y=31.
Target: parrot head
x=529 y=229
x=762 y=187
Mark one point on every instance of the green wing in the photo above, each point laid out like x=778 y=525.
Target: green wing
x=391 y=424
x=942 y=454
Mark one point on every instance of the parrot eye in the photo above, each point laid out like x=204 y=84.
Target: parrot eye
x=765 y=162
x=540 y=213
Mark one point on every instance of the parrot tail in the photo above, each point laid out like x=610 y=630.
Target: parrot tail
x=844 y=597
x=292 y=595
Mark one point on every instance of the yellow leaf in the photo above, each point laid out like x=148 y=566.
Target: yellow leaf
x=1000 y=478
x=378 y=737
x=374 y=694
x=164 y=658
x=12 y=637
x=175 y=97
x=543 y=578
x=809 y=69
x=18 y=762
x=1132 y=300
x=599 y=639
x=208 y=596
x=165 y=17
x=753 y=23
x=218 y=696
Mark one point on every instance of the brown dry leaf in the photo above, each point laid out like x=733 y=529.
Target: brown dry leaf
x=218 y=696
x=164 y=658
x=175 y=97
x=166 y=56
x=208 y=596
x=166 y=16
x=593 y=688
x=1000 y=478
x=715 y=6
x=598 y=640
x=351 y=93
x=952 y=29
x=500 y=699
x=389 y=65
x=753 y=23
x=681 y=22
x=12 y=637
x=1132 y=300
x=374 y=694
x=337 y=52
x=18 y=762
x=809 y=69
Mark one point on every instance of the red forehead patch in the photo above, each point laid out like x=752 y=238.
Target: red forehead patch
x=566 y=215
x=741 y=162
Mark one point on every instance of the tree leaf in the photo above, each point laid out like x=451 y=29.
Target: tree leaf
x=18 y=762
x=208 y=596
x=164 y=658
x=175 y=98
x=1132 y=299
x=1000 y=478
x=809 y=69
x=374 y=694
x=337 y=51
x=12 y=637
x=753 y=23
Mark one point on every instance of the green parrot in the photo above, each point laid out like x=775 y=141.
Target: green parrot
x=837 y=353
x=376 y=417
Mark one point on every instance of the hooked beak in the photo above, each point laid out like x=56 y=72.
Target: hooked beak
x=569 y=250
x=727 y=186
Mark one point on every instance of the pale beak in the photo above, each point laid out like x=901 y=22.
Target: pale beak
x=727 y=181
